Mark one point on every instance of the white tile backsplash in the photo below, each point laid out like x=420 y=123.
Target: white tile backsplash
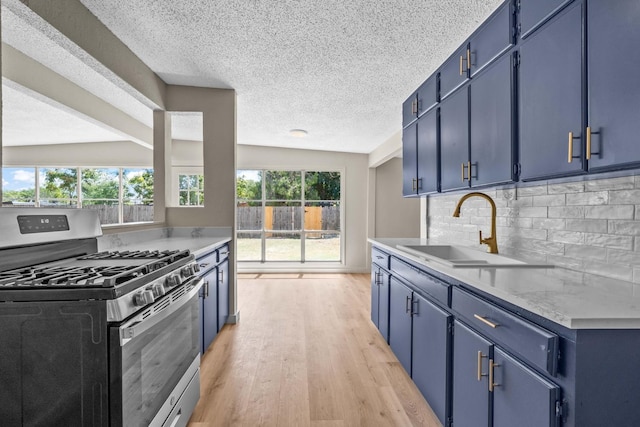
x=591 y=227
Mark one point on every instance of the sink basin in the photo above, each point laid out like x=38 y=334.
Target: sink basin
x=465 y=257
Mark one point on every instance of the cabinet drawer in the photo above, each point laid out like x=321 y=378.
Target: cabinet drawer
x=207 y=261
x=534 y=344
x=380 y=258
x=223 y=253
x=440 y=291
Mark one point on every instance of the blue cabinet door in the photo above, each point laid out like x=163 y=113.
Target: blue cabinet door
x=491 y=115
x=454 y=141
x=383 y=307
x=494 y=37
x=409 y=109
x=431 y=343
x=223 y=294
x=427 y=143
x=427 y=94
x=409 y=160
x=201 y=319
x=400 y=322
x=375 y=295
x=550 y=106
x=210 y=308
x=470 y=401
x=613 y=32
x=454 y=72
x=520 y=396
x=534 y=13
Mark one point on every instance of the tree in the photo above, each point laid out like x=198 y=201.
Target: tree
x=248 y=189
x=100 y=184
x=322 y=185
x=60 y=183
x=140 y=187
x=283 y=185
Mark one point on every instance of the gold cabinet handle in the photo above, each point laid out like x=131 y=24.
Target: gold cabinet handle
x=462 y=171
x=418 y=184
x=570 y=153
x=462 y=168
x=461 y=64
x=480 y=357
x=588 y=142
x=469 y=168
x=468 y=58
x=491 y=376
x=485 y=321
x=413 y=184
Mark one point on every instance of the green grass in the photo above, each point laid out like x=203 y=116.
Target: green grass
x=289 y=249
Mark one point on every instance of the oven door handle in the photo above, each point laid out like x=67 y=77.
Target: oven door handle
x=140 y=324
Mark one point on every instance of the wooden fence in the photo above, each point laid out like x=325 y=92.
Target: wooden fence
x=108 y=214
x=284 y=218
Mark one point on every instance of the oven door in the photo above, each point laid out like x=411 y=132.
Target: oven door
x=154 y=357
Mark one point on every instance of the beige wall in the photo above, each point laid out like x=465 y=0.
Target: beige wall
x=96 y=154
x=395 y=216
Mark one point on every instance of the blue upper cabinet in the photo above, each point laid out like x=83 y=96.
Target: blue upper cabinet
x=455 y=164
x=534 y=13
x=409 y=160
x=613 y=33
x=454 y=71
x=493 y=38
x=428 y=154
x=421 y=101
x=550 y=98
x=491 y=118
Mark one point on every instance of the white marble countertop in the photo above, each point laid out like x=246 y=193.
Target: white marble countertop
x=570 y=299
x=197 y=240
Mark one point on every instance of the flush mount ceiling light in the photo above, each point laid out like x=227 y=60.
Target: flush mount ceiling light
x=298 y=133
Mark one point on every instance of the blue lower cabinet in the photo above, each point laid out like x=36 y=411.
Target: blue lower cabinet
x=380 y=300
x=209 y=308
x=470 y=402
x=400 y=322
x=430 y=354
x=520 y=396
x=223 y=294
x=491 y=388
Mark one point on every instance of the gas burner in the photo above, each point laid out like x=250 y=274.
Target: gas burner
x=129 y=254
x=66 y=277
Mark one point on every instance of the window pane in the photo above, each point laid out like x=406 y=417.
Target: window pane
x=249 y=246
x=322 y=247
x=58 y=187
x=100 y=184
x=283 y=247
x=322 y=216
x=283 y=185
x=19 y=186
x=138 y=195
x=283 y=216
x=322 y=185
x=249 y=216
x=249 y=185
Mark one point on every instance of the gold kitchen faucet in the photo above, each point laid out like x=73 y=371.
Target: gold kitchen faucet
x=490 y=241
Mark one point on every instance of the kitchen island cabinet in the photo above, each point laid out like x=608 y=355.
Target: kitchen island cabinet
x=528 y=346
x=214 y=294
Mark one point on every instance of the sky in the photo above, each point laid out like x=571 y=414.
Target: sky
x=18 y=178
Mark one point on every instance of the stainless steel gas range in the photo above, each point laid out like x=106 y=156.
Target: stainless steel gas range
x=92 y=338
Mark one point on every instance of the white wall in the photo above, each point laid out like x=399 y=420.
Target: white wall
x=395 y=216
x=354 y=168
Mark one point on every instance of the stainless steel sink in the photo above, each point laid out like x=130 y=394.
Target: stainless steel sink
x=465 y=257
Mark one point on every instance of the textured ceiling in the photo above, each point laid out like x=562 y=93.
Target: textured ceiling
x=339 y=69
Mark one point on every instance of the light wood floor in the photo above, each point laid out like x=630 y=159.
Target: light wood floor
x=305 y=354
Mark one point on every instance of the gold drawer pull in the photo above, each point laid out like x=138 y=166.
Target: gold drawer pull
x=570 y=154
x=491 y=383
x=485 y=321
x=588 y=142
x=461 y=59
x=480 y=357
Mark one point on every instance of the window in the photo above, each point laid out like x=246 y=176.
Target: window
x=119 y=195
x=288 y=216
x=191 y=190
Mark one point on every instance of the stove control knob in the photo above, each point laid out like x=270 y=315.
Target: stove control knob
x=143 y=298
x=187 y=271
x=196 y=268
x=158 y=290
x=171 y=281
